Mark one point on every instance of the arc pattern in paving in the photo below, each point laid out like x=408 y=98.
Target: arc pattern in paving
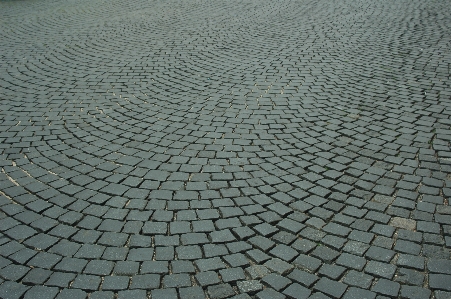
x=262 y=149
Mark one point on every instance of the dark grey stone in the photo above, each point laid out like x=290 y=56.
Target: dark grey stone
x=356 y=293
x=386 y=287
x=379 y=269
x=330 y=287
x=220 y=291
x=440 y=282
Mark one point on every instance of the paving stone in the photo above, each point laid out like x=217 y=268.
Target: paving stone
x=440 y=282
x=265 y=229
x=102 y=295
x=249 y=286
x=442 y=294
x=207 y=278
x=257 y=271
x=379 y=269
x=161 y=253
x=386 y=287
x=176 y=281
x=284 y=252
x=303 y=245
x=20 y=232
x=98 y=267
x=331 y=288
x=115 y=283
x=86 y=282
x=72 y=294
x=241 y=296
x=358 y=279
x=14 y=272
x=407 y=247
x=153 y=228
x=409 y=276
x=11 y=289
x=262 y=243
x=297 y=291
x=126 y=268
x=306 y=262
x=164 y=294
x=36 y=276
x=182 y=267
x=59 y=279
x=90 y=251
x=433 y=239
x=44 y=260
x=356 y=293
x=317 y=222
x=384 y=230
x=269 y=293
x=278 y=265
x=191 y=293
x=337 y=229
x=243 y=232
x=140 y=254
x=232 y=274
x=411 y=261
x=194 y=239
x=210 y=264
x=399 y=222
x=356 y=248
x=290 y=225
x=160 y=240
x=87 y=236
x=331 y=271
x=351 y=261
x=22 y=255
x=157 y=267
x=429 y=227
x=303 y=277
x=361 y=236
x=379 y=254
x=188 y=252
x=212 y=250
x=115 y=254
x=318 y=295
x=284 y=238
x=220 y=291
x=412 y=292
x=140 y=241
x=41 y=241
x=41 y=292
x=139 y=294
x=433 y=251
x=325 y=254
x=416 y=237
x=439 y=266
x=145 y=281
x=276 y=281
x=258 y=256
x=222 y=236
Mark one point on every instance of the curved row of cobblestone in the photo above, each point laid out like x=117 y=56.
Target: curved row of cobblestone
x=208 y=149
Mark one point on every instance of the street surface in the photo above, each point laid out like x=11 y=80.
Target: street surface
x=225 y=149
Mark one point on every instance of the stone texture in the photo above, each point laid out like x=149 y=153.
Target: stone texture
x=228 y=149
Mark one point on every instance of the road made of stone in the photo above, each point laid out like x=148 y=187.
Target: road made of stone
x=225 y=149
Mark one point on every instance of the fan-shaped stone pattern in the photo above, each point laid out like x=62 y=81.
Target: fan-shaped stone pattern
x=206 y=148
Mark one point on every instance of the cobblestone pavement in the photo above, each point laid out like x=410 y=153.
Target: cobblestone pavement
x=225 y=149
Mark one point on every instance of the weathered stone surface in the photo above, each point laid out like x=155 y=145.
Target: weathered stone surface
x=404 y=223
x=228 y=149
